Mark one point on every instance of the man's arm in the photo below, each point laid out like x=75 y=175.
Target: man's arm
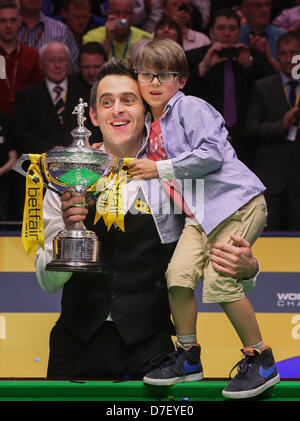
x=51 y=281
x=258 y=125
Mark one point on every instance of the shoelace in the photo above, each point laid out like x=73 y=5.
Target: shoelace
x=243 y=366
x=163 y=360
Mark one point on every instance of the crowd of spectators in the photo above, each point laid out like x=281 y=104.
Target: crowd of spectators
x=239 y=57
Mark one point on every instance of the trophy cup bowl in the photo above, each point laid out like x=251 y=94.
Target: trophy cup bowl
x=75 y=168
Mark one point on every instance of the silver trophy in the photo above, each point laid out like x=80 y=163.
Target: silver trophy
x=76 y=168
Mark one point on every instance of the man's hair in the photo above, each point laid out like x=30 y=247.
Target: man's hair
x=9 y=4
x=93 y=48
x=161 y=55
x=227 y=13
x=44 y=48
x=288 y=37
x=76 y=3
x=114 y=66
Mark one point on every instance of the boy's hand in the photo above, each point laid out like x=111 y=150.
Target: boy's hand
x=145 y=169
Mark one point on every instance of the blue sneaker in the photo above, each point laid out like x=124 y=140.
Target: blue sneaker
x=256 y=373
x=178 y=367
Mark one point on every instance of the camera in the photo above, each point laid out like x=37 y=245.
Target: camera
x=122 y=23
x=228 y=52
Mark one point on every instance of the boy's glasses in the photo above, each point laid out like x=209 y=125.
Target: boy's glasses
x=147 y=77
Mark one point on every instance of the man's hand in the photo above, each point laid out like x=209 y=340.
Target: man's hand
x=289 y=118
x=244 y=57
x=258 y=43
x=144 y=169
x=71 y=212
x=234 y=259
x=211 y=58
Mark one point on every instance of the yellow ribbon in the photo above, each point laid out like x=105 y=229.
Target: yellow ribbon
x=110 y=203
x=33 y=227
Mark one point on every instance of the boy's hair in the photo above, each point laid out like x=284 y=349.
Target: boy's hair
x=161 y=55
x=114 y=66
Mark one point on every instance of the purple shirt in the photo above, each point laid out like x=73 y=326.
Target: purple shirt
x=287 y=18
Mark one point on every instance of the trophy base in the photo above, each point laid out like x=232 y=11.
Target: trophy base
x=76 y=250
x=76 y=267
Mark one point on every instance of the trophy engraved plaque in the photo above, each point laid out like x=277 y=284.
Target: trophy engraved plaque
x=76 y=168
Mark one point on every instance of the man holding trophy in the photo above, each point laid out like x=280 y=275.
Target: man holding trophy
x=114 y=322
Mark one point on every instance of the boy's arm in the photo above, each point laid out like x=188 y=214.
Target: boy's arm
x=202 y=136
x=203 y=131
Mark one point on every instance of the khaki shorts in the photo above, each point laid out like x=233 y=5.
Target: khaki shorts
x=190 y=261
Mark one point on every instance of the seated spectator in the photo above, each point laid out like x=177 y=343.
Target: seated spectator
x=257 y=32
x=53 y=9
x=91 y=58
x=76 y=14
x=43 y=112
x=168 y=28
x=273 y=120
x=118 y=36
x=289 y=19
x=181 y=12
x=8 y=157
x=222 y=74
x=22 y=62
x=38 y=29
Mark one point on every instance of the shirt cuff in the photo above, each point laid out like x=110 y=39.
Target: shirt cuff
x=165 y=170
x=250 y=284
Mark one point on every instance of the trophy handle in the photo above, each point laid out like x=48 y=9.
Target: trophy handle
x=18 y=167
x=19 y=164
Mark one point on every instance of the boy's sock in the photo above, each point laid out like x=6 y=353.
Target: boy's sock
x=258 y=346
x=187 y=340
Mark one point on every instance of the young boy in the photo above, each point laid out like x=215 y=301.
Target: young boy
x=188 y=140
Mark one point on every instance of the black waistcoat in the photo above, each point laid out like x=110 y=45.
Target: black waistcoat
x=134 y=290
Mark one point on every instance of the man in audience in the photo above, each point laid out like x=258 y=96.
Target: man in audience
x=22 y=62
x=43 y=111
x=118 y=36
x=76 y=14
x=181 y=12
x=91 y=57
x=222 y=74
x=257 y=32
x=38 y=29
x=273 y=120
x=8 y=157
